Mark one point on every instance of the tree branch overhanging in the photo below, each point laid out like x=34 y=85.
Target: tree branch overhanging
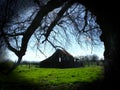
x=58 y=17
x=9 y=45
x=52 y=4
x=48 y=27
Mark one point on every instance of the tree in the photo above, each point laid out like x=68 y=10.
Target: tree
x=43 y=23
x=94 y=57
x=108 y=19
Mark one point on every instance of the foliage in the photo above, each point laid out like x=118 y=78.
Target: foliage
x=5 y=65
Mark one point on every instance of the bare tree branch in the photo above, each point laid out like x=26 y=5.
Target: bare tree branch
x=54 y=22
x=52 y=4
x=15 y=34
x=60 y=14
x=8 y=44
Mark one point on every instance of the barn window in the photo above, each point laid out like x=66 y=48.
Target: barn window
x=74 y=60
x=59 y=59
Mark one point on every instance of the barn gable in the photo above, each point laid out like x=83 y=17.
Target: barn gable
x=59 y=59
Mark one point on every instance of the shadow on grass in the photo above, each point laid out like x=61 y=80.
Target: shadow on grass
x=13 y=81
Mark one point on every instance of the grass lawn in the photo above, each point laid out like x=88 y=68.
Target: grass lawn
x=50 y=78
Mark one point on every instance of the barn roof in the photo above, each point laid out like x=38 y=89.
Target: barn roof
x=58 y=53
x=62 y=52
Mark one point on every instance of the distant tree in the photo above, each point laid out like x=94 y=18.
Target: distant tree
x=94 y=57
x=89 y=59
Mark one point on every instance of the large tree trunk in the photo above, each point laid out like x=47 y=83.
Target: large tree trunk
x=111 y=55
x=110 y=36
x=108 y=19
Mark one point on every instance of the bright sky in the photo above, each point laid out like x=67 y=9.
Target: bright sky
x=75 y=50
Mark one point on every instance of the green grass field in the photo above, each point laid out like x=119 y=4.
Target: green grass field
x=50 y=78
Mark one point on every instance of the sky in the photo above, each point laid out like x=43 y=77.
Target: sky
x=74 y=49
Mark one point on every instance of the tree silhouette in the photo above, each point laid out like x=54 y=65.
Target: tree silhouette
x=107 y=17
x=44 y=22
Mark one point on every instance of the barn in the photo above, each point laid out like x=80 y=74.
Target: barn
x=59 y=59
